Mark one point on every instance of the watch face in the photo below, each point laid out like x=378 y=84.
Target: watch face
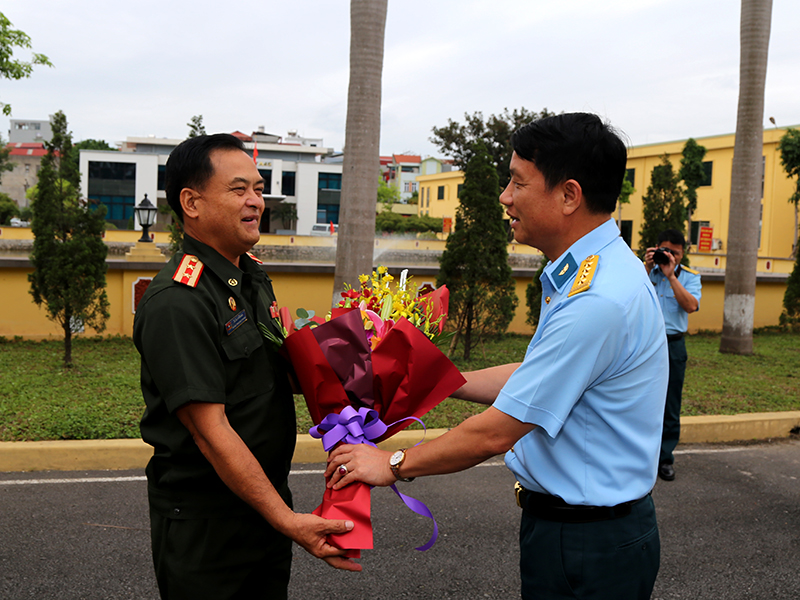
x=396 y=458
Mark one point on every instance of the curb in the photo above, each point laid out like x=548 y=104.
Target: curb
x=92 y=455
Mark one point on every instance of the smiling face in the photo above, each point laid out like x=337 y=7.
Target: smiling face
x=225 y=214
x=536 y=212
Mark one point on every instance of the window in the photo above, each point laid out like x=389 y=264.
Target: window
x=162 y=177
x=630 y=175
x=626 y=230
x=330 y=181
x=266 y=175
x=440 y=193
x=114 y=185
x=458 y=191
x=288 y=183
x=694 y=235
x=408 y=169
x=328 y=213
x=708 y=167
x=329 y=190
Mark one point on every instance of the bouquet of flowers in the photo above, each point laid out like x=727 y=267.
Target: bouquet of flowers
x=366 y=373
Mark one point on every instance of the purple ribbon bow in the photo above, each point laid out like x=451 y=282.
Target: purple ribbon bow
x=361 y=426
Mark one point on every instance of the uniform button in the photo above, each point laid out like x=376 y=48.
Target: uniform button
x=547 y=300
x=246 y=351
x=177 y=511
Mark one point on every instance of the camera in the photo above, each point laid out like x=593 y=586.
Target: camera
x=660 y=256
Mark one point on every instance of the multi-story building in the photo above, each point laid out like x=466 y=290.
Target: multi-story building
x=402 y=174
x=293 y=168
x=26 y=140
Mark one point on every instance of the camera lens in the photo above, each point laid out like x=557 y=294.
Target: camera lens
x=660 y=256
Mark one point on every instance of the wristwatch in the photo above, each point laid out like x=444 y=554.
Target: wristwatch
x=395 y=461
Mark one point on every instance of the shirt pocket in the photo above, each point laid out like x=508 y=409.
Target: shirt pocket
x=242 y=350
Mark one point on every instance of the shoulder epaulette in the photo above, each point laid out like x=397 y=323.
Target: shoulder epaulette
x=688 y=270
x=255 y=258
x=583 y=280
x=188 y=272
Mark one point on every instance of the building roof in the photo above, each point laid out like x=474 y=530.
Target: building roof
x=406 y=158
x=242 y=136
x=27 y=149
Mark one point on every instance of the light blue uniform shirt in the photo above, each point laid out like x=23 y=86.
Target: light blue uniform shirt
x=593 y=380
x=676 y=319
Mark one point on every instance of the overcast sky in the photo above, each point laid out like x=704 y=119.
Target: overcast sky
x=659 y=70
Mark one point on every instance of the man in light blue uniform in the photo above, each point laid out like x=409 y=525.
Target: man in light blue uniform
x=679 y=290
x=580 y=417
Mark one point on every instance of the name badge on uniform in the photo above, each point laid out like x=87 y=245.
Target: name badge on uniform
x=237 y=320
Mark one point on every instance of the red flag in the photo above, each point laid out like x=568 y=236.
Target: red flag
x=332 y=228
x=255 y=151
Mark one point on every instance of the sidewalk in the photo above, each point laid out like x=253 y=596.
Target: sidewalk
x=90 y=455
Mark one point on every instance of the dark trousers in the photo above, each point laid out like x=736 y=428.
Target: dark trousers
x=239 y=558
x=617 y=559
x=672 y=409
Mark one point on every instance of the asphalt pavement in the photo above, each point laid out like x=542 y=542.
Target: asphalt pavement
x=730 y=529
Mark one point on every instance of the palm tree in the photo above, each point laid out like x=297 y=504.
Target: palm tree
x=362 y=139
x=740 y=271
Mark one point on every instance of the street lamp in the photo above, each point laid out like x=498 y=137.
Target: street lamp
x=146 y=213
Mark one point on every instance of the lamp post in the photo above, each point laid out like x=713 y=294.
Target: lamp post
x=146 y=213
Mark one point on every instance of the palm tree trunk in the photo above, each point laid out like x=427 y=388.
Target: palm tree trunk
x=740 y=271
x=362 y=144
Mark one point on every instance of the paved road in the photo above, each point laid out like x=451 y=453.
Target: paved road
x=730 y=529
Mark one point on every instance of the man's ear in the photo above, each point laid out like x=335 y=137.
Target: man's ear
x=573 y=196
x=189 y=199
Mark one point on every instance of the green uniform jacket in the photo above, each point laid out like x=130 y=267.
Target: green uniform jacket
x=199 y=340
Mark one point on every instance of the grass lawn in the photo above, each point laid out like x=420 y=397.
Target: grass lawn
x=99 y=397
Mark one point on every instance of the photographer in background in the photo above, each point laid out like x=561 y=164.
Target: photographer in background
x=678 y=289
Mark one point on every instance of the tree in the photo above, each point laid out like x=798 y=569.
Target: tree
x=69 y=256
x=662 y=205
x=789 y=147
x=474 y=265
x=624 y=198
x=790 y=317
x=196 y=126
x=362 y=143
x=456 y=140
x=90 y=144
x=387 y=194
x=8 y=209
x=533 y=295
x=692 y=173
x=287 y=213
x=5 y=162
x=745 y=204
x=9 y=67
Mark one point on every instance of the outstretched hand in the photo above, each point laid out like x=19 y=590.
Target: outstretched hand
x=311 y=533
x=363 y=463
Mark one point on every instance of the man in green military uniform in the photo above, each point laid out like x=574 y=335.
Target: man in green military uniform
x=220 y=412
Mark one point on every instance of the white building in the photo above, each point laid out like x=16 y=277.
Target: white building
x=293 y=169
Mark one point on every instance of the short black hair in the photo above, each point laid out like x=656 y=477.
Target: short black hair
x=673 y=236
x=189 y=165
x=576 y=146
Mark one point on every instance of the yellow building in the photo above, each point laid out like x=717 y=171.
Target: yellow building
x=438 y=194
x=777 y=226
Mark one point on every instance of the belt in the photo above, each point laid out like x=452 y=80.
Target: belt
x=674 y=337
x=552 y=508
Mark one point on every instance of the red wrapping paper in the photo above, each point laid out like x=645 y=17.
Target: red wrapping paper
x=405 y=376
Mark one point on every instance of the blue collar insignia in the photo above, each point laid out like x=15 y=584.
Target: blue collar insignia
x=565 y=269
